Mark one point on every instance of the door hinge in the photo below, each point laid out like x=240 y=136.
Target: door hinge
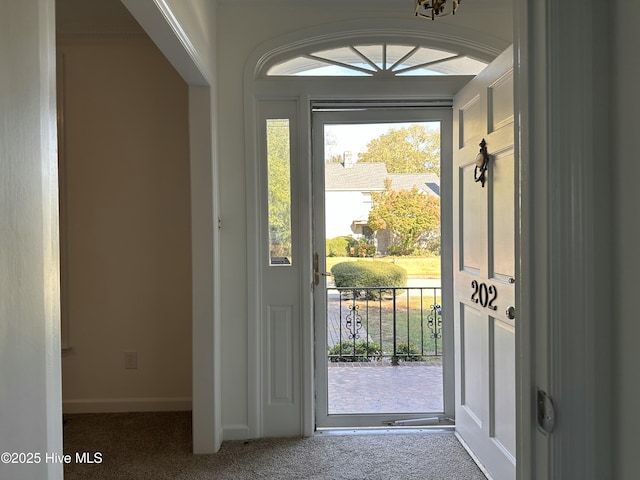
x=545 y=412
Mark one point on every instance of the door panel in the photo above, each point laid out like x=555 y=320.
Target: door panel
x=280 y=327
x=473 y=218
x=470 y=120
x=500 y=102
x=474 y=356
x=502 y=191
x=504 y=372
x=484 y=265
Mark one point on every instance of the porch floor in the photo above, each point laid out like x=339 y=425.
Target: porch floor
x=378 y=387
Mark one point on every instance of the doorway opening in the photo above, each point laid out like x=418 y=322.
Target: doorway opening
x=382 y=338
x=315 y=102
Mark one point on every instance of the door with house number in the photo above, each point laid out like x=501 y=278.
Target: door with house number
x=484 y=199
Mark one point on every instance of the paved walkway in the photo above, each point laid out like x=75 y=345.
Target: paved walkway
x=378 y=387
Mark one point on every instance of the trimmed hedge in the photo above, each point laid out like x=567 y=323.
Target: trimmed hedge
x=362 y=249
x=338 y=246
x=349 y=246
x=363 y=273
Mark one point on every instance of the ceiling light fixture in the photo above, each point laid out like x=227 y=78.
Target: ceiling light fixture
x=436 y=8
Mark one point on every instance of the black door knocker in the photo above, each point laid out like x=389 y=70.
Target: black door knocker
x=482 y=162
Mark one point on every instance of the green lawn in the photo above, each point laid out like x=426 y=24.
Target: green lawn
x=415 y=266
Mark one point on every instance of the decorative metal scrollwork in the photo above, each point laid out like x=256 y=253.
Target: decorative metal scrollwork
x=482 y=163
x=353 y=321
x=434 y=321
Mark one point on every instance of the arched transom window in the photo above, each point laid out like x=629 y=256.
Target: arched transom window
x=382 y=59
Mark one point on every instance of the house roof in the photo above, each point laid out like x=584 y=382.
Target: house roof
x=358 y=176
x=422 y=181
x=370 y=177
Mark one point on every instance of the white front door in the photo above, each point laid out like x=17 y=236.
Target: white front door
x=484 y=210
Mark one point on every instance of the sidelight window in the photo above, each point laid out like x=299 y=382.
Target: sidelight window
x=279 y=190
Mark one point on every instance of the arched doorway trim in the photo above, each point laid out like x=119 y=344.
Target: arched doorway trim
x=472 y=44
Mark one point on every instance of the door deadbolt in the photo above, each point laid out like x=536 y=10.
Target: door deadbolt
x=511 y=313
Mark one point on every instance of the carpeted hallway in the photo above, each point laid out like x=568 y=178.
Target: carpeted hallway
x=158 y=446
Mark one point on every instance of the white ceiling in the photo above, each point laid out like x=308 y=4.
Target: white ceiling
x=493 y=17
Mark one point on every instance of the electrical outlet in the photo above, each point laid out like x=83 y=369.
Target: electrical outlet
x=130 y=360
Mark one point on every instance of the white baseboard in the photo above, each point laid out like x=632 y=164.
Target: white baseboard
x=235 y=432
x=113 y=405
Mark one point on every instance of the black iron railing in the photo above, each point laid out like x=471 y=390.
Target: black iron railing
x=384 y=324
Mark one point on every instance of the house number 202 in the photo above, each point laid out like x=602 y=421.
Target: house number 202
x=484 y=295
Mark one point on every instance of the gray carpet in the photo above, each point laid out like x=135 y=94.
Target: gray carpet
x=158 y=446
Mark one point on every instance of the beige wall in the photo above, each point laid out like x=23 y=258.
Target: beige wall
x=127 y=226
x=189 y=43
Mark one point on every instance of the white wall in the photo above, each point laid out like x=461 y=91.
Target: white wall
x=624 y=304
x=30 y=409
x=127 y=226
x=242 y=27
x=342 y=208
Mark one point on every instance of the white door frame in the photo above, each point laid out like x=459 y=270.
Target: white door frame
x=377 y=115
x=303 y=91
x=561 y=91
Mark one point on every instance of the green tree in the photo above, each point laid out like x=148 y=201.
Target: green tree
x=407 y=214
x=279 y=182
x=414 y=149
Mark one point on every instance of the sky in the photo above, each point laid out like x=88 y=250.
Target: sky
x=355 y=137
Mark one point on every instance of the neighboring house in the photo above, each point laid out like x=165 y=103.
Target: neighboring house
x=348 y=188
